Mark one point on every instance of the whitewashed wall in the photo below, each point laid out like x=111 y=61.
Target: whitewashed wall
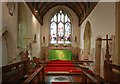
x=102 y=20
x=11 y=23
x=34 y=27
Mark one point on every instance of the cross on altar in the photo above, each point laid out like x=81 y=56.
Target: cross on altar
x=26 y=42
x=107 y=56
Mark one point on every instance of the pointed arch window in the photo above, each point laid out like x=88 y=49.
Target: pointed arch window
x=60 y=28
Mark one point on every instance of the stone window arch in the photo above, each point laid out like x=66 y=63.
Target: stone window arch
x=60 y=28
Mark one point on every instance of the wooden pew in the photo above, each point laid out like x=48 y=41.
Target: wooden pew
x=36 y=77
x=22 y=72
x=111 y=73
x=14 y=73
x=88 y=78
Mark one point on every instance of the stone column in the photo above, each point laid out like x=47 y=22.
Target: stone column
x=98 y=56
x=117 y=33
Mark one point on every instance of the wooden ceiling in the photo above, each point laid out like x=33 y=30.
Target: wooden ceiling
x=81 y=9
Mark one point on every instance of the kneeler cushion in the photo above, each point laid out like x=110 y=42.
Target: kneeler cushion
x=90 y=71
x=76 y=71
x=61 y=83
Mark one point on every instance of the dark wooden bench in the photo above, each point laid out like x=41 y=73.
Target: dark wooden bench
x=111 y=73
x=15 y=73
x=36 y=77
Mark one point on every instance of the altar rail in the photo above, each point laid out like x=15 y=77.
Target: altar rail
x=111 y=73
x=14 y=72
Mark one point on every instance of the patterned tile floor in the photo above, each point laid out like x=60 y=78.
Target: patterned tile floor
x=62 y=80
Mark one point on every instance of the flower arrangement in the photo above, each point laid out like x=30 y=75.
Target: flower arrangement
x=56 y=45
x=64 y=45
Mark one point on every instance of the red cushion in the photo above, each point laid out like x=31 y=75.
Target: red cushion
x=59 y=69
x=76 y=71
x=59 y=65
x=61 y=83
x=60 y=62
x=90 y=71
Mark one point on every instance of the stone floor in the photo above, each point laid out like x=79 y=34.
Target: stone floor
x=60 y=79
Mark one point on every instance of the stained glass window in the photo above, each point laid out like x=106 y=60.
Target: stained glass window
x=60 y=28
